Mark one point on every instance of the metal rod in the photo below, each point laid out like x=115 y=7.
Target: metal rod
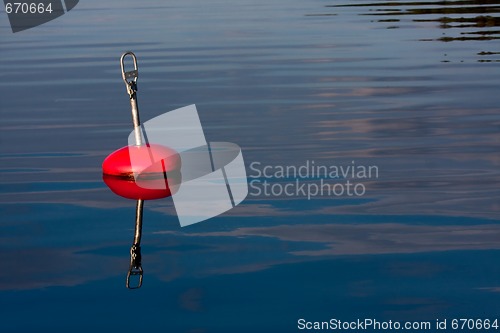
x=135 y=268
x=130 y=79
x=138 y=222
x=136 y=121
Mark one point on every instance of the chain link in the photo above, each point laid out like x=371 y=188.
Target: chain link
x=132 y=89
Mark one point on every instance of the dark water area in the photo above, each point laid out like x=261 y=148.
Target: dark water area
x=408 y=87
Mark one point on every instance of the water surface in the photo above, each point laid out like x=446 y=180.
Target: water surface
x=408 y=86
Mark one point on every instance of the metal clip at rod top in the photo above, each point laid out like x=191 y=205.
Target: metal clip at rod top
x=134 y=74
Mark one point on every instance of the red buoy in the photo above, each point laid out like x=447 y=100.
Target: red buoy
x=140 y=172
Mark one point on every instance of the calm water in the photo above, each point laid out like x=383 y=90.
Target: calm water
x=410 y=87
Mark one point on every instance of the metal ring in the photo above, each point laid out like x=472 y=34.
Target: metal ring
x=130 y=74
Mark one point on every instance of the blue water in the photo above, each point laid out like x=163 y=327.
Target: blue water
x=409 y=87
